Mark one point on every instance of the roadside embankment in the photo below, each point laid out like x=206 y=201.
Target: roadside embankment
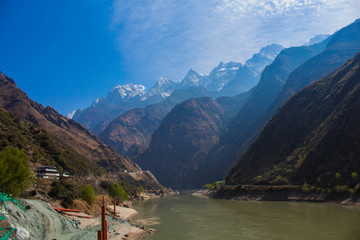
x=41 y=221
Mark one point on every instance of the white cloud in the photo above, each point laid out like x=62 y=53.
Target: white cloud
x=168 y=37
x=271 y=8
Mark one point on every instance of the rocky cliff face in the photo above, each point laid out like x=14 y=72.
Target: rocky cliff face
x=314 y=135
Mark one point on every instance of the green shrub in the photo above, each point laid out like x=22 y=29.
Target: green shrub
x=118 y=192
x=209 y=186
x=14 y=172
x=305 y=188
x=318 y=181
x=64 y=191
x=140 y=189
x=354 y=176
x=130 y=189
x=88 y=194
x=351 y=191
x=338 y=177
x=341 y=189
x=214 y=186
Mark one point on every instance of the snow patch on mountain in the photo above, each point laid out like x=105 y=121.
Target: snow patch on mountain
x=71 y=115
x=192 y=79
x=129 y=90
x=221 y=75
x=163 y=87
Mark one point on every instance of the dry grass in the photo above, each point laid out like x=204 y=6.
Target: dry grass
x=95 y=209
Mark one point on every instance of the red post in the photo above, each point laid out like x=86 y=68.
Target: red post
x=114 y=206
x=103 y=221
x=105 y=231
x=100 y=235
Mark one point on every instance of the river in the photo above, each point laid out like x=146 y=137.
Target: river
x=187 y=217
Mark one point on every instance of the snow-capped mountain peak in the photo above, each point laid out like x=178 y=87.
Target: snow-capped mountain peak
x=129 y=90
x=163 y=87
x=193 y=79
x=221 y=75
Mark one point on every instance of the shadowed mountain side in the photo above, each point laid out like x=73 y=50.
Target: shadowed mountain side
x=191 y=128
x=272 y=81
x=133 y=129
x=314 y=135
x=341 y=47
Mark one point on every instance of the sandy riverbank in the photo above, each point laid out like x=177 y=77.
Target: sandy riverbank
x=119 y=227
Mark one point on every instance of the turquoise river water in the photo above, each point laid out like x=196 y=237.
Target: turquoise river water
x=187 y=217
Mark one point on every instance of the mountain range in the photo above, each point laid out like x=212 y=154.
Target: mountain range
x=293 y=69
x=227 y=79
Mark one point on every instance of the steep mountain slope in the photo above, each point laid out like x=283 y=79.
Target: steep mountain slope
x=190 y=129
x=15 y=101
x=315 y=135
x=342 y=46
x=42 y=147
x=134 y=128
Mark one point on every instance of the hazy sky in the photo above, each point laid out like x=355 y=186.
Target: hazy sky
x=67 y=53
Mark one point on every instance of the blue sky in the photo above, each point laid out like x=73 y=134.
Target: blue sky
x=67 y=53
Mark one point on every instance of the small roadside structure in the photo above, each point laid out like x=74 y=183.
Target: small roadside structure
x=48 y=172
x=65 y=175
